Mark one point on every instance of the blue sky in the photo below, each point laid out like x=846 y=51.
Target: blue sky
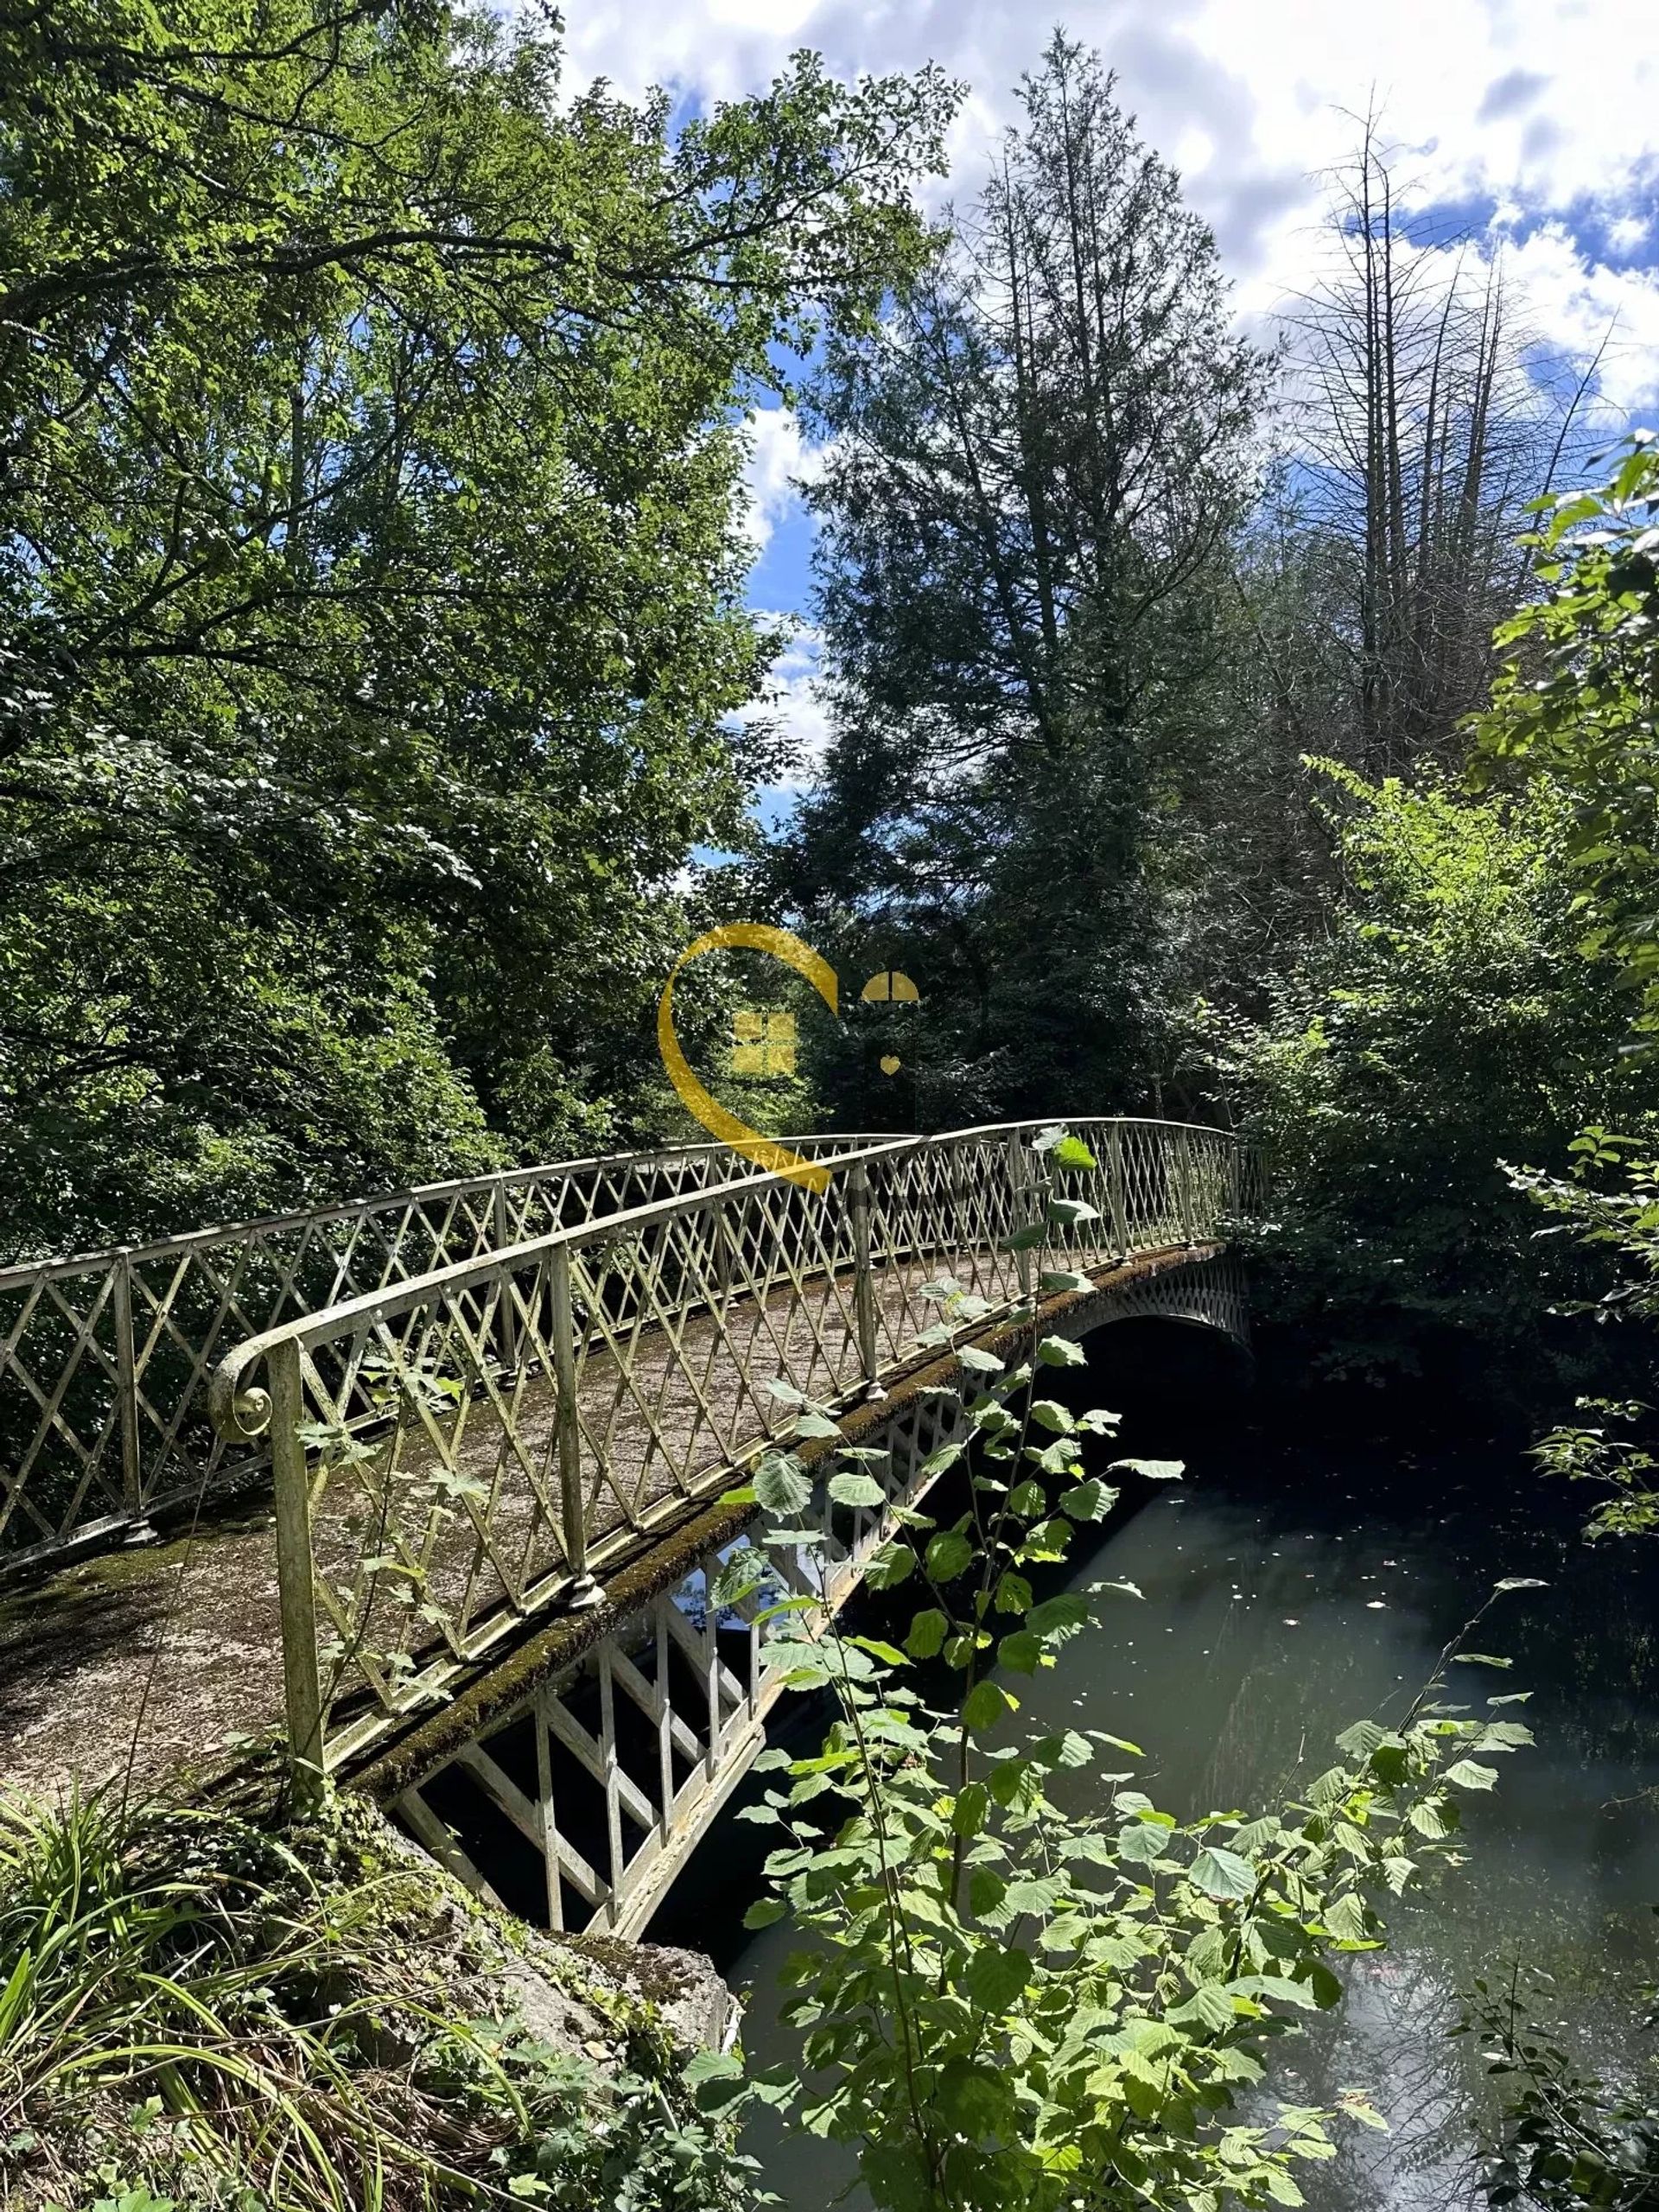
x=1531 y=124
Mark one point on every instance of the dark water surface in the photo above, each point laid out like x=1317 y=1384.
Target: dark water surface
x=1289 y=1589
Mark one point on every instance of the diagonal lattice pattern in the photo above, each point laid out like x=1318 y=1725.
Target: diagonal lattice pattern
x=456 y=1454
x=104 y=1360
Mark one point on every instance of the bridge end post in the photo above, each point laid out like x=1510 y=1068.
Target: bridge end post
x=295 y=1571
x=869 y=1350
x=584 y=1591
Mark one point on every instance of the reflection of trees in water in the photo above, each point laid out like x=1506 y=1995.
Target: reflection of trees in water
x=1393 y=2039
x=1560 y=1873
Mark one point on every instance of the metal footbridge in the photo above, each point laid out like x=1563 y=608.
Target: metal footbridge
x=439 y=1473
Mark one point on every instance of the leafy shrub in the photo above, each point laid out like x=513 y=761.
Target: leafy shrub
x=1449 y=1024
x=1006 y=2004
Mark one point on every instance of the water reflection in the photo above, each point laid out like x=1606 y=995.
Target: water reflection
x=1287 y=1593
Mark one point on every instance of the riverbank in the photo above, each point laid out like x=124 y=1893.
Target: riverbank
x=198 y=2009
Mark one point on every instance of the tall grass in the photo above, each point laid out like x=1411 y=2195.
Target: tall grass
x=186 y=1981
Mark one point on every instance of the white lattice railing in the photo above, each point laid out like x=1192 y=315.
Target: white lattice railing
x=456 y=1454
x=105 y=1358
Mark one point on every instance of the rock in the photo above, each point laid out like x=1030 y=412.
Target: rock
x=572 y=1990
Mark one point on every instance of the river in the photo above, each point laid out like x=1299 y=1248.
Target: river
x=1290 y=1588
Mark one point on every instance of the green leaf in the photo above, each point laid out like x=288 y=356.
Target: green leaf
x=1070 y=1212
x=817 y=1425
x=1057 y=1278
x=763 y=1911
x=888 y=1565
x=985 y=1705
x=886 y=1653
x=742 y=1575
x=1468 y=1774
x=995 y=1979
x=711 y=2066
x=973 y=2099
x=1222 y=1873
x=1060 y=1352
x=1072 y=1151
x=1049 y=1414
x=856 y=1489
x=949 y=1554
x=973 y=1802
x=1013 y=1594
x=982 y=1362
x=1055 y=1616
x=1140 y=1842
x=781 y=1483
x=1209 y=2006
x=1068 y=1750
x=1478 y=1659
x=927 y=1634
x=1022 y=1651
x=1155 y=1470
x=1090 y=1501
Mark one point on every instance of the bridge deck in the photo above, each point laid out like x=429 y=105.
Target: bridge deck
x=167 y=1656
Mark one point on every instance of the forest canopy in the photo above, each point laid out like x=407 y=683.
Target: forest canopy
x=371 y=555
x=376 y=656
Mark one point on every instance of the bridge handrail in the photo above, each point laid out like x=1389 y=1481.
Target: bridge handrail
x=502 y=1426
x=308 y=1329
x=214 y=1234
x=105 y=1356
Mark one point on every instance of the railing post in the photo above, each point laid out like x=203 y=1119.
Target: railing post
x=724 y=1248
x=567 y=1420
x=1184 y=1159
x=295 y=1583
x=139 y=1530
x=858 y=1206
x=1018 y=1184
x=506 y=1320
x=1114 y=1190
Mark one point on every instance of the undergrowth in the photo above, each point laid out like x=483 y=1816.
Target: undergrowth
x=195 y=2012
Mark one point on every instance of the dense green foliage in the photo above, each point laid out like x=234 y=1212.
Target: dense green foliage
x=371 y=567
x=1480 y=993
x=1446 y=1025
x=1011 y=1999
x=1577 y=703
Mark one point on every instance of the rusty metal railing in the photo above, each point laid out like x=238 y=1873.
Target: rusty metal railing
x=457 y=1454
x=105 y=1357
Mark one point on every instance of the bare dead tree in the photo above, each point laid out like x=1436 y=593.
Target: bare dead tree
x=1419 y=429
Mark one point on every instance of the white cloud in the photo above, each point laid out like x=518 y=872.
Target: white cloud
x=794 y=699
x=1580 y=302
x=777 y=461
x=1544 y=106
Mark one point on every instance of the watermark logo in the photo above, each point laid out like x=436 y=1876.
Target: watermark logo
x=782 y=945
x=763 y=1044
